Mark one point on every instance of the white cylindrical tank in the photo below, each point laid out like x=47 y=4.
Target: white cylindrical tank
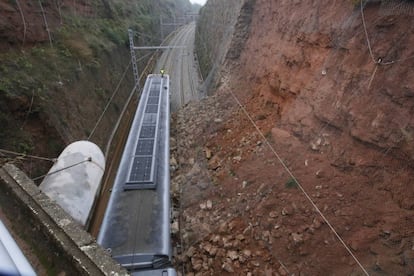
x=74 y=180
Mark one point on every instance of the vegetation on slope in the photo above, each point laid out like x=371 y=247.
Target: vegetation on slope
x=60 y=63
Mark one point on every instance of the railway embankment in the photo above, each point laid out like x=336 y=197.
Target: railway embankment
x=51 y=240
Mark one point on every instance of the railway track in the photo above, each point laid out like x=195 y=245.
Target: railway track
x=179 y=64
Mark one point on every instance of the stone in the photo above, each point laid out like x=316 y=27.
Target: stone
x=266 y=235
x=215 y=239
x=209 y=204
x=255 y=263
x=273 y=214
x=258 y=253
x=173 y=161
x=208 y=153
x=198 y=266
x=240 y=237
x=221 y=253
x=237 y=158
x=285 y=212
x=297 y=238
x=205 y=267
x=207 y=247
x=227 y=267
x=190 y=252
x=195 y=170
x=320 y=174
x=236 y=244
x=232 y=255
x=223 y=227
x=214 y=163
x=175 y=227
x=213 y=251
x=316 y=224
x=247 y=253
x=228 y=245
x=242 y=259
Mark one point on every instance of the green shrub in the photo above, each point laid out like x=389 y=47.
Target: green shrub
x=291 y=184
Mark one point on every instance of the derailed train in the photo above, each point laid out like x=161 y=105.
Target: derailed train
x=136 y=225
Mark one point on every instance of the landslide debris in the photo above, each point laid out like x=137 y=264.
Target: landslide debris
x=341 y=124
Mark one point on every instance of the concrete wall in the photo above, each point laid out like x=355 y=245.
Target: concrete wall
x=60 y=243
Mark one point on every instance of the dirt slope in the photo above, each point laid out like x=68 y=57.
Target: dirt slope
x=340 y=122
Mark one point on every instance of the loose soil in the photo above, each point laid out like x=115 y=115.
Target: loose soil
x=310 y=109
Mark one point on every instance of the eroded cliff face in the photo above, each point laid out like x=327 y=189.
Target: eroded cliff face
x=341 y=120
x=330 y=93
x=322 y=61
x=221 y=32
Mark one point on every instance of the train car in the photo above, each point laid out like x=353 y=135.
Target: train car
x=136 y=225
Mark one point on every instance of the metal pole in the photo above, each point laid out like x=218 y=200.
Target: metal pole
x=161 y=28
x=133 y=57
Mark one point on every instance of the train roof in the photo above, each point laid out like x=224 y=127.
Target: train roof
x=136 y=226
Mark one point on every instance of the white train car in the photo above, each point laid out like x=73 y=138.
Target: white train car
x=136 y=225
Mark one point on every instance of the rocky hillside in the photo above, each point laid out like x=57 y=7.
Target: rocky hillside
x=304 y=91
x=61 y=62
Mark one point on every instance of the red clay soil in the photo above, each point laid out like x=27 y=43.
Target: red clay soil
x=304 y=79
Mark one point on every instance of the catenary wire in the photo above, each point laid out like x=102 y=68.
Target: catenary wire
x=109 y=102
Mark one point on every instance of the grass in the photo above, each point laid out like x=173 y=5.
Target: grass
x=291 y=184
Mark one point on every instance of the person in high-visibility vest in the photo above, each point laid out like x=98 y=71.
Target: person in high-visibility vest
x=162 y=71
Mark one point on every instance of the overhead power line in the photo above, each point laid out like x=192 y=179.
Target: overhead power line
x=109 y=102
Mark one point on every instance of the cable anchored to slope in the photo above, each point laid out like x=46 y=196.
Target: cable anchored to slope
x=376 y=60
x=297 y=182
x=89 y=159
